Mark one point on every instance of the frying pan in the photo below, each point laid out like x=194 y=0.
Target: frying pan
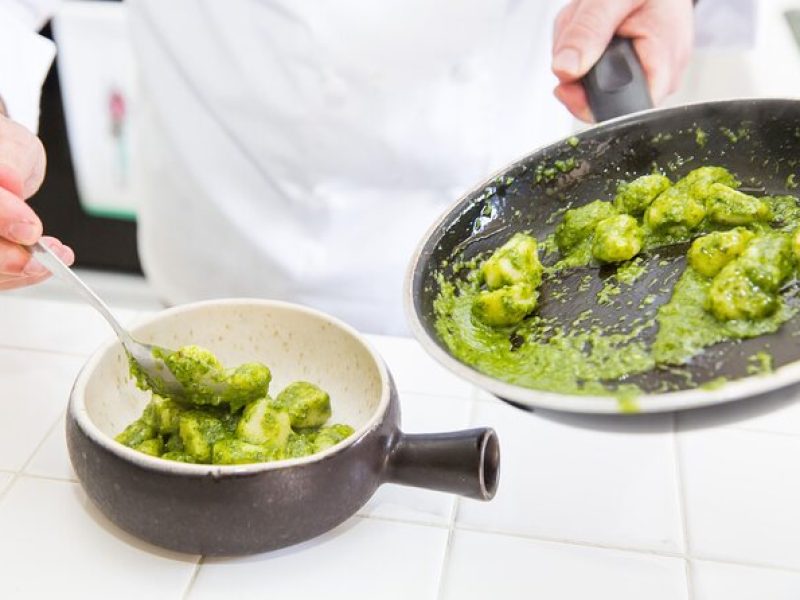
x=757 y=139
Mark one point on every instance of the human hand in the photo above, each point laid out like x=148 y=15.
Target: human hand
x=661 y=31
x=22 y=167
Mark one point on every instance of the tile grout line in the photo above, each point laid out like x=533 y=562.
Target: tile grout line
x=446 y=557
x=454 y=511
x=21 y=471
x=70 y=353
x=760 y=431
x=7 y=490
x=574 y=542
x=49 y=478
x=70 y=299
x=752 y=565
x=404 y=521
x=682 y=507
x=482 y=398
x=193 y=578
x=429 y=394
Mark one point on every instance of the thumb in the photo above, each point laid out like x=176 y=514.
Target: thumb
x=583 y=37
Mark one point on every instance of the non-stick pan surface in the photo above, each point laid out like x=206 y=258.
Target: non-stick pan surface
x=757 y=139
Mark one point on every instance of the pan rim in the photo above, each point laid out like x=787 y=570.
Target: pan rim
x=731 y=390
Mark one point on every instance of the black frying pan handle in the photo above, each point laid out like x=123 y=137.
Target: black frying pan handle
x=616 y=85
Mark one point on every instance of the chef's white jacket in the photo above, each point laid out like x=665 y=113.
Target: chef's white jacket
x=299 y=149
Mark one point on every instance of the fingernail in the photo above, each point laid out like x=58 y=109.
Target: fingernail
x=23 y=232
x=65 y=255
x=34 y=267
x=567 y=61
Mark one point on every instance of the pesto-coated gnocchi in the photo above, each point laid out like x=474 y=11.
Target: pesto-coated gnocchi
x=578 y=224
x=617 y=239
x=709 y=253
x=767 y=260
x=747 y=288
x=635 y=196
x=511 y=275
x=516 y=261
x=727 y=206
x=733 y=296
x=675 y=210
x=698 y=180
x=244 y=426
x=506 y=306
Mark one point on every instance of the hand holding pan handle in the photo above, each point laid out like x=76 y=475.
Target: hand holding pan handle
x=616 y=85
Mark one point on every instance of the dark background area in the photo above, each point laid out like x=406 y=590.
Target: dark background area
x=99 y=242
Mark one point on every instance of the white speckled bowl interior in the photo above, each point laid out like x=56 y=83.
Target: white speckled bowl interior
x=296 y=343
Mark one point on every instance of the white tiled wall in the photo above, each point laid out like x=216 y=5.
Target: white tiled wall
x=702 y=506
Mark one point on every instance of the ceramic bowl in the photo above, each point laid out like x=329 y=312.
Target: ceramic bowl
x=240 y=509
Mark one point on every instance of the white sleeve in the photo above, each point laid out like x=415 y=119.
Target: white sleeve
x=25 y=59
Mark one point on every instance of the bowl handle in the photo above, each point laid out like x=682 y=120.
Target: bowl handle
x=461 y=462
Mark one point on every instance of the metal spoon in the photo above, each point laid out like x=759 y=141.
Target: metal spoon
x=154 y=369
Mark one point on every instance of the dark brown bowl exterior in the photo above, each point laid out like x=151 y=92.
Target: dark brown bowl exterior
x=234 y=513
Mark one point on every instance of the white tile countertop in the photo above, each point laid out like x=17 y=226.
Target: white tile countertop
x=703 y=505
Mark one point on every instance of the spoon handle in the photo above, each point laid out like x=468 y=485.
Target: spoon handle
x=53 y=264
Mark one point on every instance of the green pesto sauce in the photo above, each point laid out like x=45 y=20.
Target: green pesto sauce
x=785 y=211
x=548 y=172
x=630 y=271
x=579 y=256
x=574 y=361
x=647 y=300
x=735 y=136
x=760 y=363
x=701 y=137
x=586 y=358
x=548 y=246
x=608 y=292
x=714 y=384
x=627 y=401
x=686 y=327
x=204 y=380
x=235 y=425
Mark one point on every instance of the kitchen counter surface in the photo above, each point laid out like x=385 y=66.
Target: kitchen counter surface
x=701 y=505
